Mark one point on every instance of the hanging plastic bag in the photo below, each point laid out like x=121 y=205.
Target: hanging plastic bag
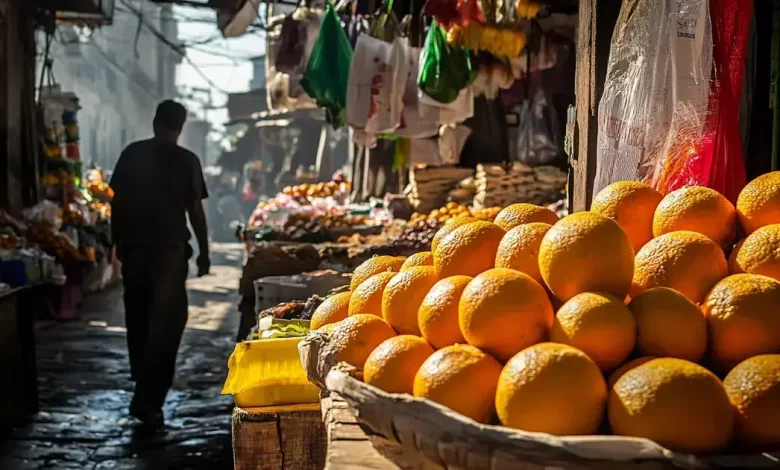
x=327 y=72
x=444 y=70
x=539 y=138
x=412 y=124
x=656 y=88
x=452 y=113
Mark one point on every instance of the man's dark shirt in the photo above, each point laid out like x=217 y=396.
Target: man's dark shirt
x=154 y=183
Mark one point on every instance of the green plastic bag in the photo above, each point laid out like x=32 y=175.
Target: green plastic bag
x=444 y=70
x=327 y=72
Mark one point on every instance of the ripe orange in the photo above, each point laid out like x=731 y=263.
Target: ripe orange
x=631 y=204
x=423 y=258
x=403 y=296
x=620 y=371
x=573 y=248
x=760 y=252
x=734 y=267
x=329 y=328
x=331 y=310
x=438 y=314
x=522 y=213
x=598 y=324
x=367 y=297
x=754 y=390
x=503 y=312
x=462 y=378
x=519 y=249
x=468 y=250
x=687 y=262
x=759 y=202
x=355 y=337
x=742 y=315
x=448 y=227
x=669 y=325
x=697 y=209
x=551 y=388
x=394 y=363
x=676 y=403
x=375 y=265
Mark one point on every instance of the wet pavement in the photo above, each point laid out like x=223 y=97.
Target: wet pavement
x=85 y=388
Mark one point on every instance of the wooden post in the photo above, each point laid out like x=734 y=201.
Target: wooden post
x=597 y=20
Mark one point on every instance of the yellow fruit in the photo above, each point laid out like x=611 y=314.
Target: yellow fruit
x=754 y=390
x=743 y=315
x=676 y=403
x=551 y=388
x=522 y=213
x=669 y=325
x=331 y=310
x=759 y=203
x=375 y=265
x=355 y=337
x=448 y=228
x=424 y=258
x=438 y=314
x=367 y=297
x=394 y=363
x=519 y=249
x=697 y=209
x=632 y=205
x=462 y=378
x=734 y=267
x=620 y=371
x=468 y=250
x=586 y=252
x=599 y=325
x=403 y=296
x=687 y=262
x=759 y=253
x=503 y=311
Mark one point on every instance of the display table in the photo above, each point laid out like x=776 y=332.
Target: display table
x=290 y=437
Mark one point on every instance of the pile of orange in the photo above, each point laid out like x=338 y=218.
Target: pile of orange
x=635 y=314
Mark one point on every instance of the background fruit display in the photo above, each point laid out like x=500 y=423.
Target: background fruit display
x=627 y=319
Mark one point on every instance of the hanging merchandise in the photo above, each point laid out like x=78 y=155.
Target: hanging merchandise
x=296 y=40
x=656 y=89
x=452 y=113
x=539 y=140
x=412 y=124
x=452 y=139
x=449 y=13
x=327 y=72
x=444 y=70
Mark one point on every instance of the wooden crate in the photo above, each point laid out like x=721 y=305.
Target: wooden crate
x=290 y=437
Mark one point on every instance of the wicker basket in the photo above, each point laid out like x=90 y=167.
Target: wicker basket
x=419 y=434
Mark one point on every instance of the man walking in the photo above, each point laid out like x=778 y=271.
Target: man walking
x=156 y=185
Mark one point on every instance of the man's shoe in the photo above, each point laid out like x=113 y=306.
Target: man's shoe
x=151 y=422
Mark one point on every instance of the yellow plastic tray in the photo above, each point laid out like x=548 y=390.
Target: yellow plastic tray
x=268 y=373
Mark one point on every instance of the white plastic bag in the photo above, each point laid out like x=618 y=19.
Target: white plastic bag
x=451 y=113
x=412 y=124
x=656 y=87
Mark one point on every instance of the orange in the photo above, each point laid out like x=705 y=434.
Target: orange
x=448 y=227
x=438 y=314
x=519 y=249
x=551 y=388
x=743 y=318
x=631 y=204
x=423 y=258
x=759 y=202
x=468 y=250
x=697 y=209
x=329 y=328
x=331 y=310
x=403 y=296
x=394 y=363
x=687 y=262
x=522 y=213
x=586 y=252
x=462 y=378
x=676 y=403
x=503 y=311
x=620 y=371
x=598 y=324
x=760 y=252
x=669 y=325
x=355 y=337
x=375 y=265
x=734 y=267
x=754 y=390
x=367 y=298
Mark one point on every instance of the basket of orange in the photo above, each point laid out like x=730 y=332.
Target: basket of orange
x=642 y=334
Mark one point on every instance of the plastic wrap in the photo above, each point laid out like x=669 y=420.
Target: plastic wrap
x=539 y=141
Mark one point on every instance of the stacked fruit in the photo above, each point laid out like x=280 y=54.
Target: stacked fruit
x=487 y=213
x=627 y=314
x=307 y=190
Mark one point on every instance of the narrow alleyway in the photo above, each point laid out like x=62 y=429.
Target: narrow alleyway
x=85 y=387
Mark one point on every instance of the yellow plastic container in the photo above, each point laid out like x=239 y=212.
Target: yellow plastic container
x=268 y=372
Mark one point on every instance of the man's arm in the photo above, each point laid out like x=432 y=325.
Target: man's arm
x=199 y=226
x=198 y=216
